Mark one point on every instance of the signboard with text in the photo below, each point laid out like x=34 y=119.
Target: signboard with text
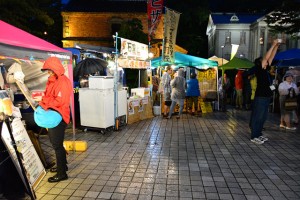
x=34 y=168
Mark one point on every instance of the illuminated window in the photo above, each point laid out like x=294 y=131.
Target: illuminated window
x=227 y=38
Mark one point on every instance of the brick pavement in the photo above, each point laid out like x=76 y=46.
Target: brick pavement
x=207 y=157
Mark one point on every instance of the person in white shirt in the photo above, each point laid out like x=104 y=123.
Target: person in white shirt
x=286 y=88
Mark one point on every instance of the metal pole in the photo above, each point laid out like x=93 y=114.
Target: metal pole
x=139 y=78
x=222 y=47
x=116 y=84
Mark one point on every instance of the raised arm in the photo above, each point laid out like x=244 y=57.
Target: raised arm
x=268 y=58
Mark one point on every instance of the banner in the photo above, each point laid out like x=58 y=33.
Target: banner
x=234 y=50
x=154 y=11
x=134 y=50
x=170 y=33
x=133 y=55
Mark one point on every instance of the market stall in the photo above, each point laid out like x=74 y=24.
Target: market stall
x=30 y=52
x=205 y=69
x=23 y=52
x=134 y=55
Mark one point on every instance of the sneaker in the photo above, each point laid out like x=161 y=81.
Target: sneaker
x=282 y=126
x=264 y=139
x=257 y=141
x=290 y=128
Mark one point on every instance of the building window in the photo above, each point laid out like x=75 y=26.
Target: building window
x=234 y=18
x=262 y=36
x=227 y=38
x=243 y=38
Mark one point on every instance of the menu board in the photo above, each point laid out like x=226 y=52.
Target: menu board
x=34 y=168
x=27 y=94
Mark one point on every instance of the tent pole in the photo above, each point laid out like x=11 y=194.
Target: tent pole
x=274 y=93
x=217 y=79
x=116 y=122
x=139 y=85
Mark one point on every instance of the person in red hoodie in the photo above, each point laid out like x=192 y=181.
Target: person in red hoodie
x=57 y=96
x=239 y=89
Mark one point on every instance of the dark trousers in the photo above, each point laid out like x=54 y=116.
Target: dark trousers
x=259 y=115
x=56 y=136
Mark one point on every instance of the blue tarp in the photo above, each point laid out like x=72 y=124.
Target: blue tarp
x=185 y=60
x=290 y=57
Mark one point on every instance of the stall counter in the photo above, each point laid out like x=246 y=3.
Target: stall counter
x=139 y=109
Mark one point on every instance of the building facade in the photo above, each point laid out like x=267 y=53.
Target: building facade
x=250 y=32
x=95 y=22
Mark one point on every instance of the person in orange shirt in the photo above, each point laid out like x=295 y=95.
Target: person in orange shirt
x=239 y=89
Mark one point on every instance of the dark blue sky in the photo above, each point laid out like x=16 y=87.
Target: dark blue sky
x=243 y=5
x=64 y=1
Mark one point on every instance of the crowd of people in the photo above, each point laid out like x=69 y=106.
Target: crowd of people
x=252 y=89
x=175 y=90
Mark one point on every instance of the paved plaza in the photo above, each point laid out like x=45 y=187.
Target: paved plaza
x=205 y=157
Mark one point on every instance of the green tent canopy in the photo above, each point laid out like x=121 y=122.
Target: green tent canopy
x=185 y=60
x=237 y=63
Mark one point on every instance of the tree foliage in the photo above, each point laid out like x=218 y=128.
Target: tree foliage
x=34 y=16
x=133 y=30
x=286 y=19
x=191 y=34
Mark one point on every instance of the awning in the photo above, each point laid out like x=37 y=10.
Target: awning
x=185 y=61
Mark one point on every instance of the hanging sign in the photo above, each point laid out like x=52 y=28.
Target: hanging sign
x=170 y=33
x=154 y=12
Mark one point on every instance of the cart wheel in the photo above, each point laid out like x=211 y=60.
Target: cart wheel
x=102 y=131
x=85 y=130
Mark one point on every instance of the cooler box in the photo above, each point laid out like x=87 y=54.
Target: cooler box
x=79 y=145
x=96 y=107
x=101 y=82
x=142 y=92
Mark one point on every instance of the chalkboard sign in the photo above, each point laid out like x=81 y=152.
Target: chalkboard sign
x=31 y=162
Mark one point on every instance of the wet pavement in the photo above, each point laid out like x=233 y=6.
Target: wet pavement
x=206 y=157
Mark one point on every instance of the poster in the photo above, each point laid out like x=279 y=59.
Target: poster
x=34 y=168
x=141 y=106
x=130 y=108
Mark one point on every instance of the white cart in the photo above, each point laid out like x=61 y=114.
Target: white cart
x=97 y=104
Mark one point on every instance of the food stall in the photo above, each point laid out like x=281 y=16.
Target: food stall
x=23 y=53
x=134 y=55
x=206 y=71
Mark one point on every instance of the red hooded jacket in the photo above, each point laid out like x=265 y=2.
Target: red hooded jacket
x=239 y=80
x=58 y=89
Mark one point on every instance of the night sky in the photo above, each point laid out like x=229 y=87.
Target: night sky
x=243 y=5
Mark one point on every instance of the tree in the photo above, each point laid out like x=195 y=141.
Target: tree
x=191 y=33
x=133 y=30
x=39 y=17
x=286 y=19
